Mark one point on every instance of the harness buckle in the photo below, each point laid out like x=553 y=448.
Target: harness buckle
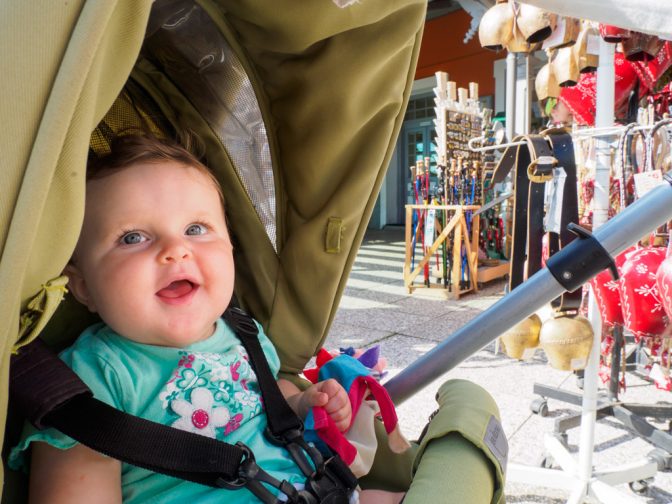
x=247 y=470
x=298 y=448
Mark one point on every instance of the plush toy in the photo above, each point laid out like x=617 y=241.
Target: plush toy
x=370 y=358
x=357 y=445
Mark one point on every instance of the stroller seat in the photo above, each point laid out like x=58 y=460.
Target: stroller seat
x=298 y=109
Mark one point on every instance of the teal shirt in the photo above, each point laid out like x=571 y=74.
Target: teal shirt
x=208 y=388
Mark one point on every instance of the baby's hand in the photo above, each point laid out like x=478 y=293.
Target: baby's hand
x=330 y=395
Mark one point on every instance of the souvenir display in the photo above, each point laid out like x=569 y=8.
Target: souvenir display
x=456 y=215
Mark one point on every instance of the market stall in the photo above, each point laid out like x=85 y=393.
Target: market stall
x=606 y=65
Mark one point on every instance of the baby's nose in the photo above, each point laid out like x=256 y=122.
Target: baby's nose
x=175 y=251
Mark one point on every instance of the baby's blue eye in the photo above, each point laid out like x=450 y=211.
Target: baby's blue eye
x=132 y=238
x=196 y=229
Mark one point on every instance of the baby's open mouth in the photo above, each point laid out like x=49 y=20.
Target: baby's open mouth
x=177 y=289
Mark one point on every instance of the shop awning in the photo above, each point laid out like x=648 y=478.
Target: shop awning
x=648 y=16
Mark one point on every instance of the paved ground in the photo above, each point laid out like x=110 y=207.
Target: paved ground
x=376 y=309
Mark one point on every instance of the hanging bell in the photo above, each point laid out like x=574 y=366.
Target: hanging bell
x=521 y=337
x=496 y=26
x=567 y=341
x=565 y=33
x=613 y=34
x=641 y=47
x=535 y=24
x=586 y=49
x=565 y=68
x=546 y=84
x=518 y=44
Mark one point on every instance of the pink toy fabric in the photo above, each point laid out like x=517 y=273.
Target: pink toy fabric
x=357 y=445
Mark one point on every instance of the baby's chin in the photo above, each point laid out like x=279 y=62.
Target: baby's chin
x=175 y=337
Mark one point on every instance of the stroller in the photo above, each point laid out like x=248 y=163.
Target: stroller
x=299 y=106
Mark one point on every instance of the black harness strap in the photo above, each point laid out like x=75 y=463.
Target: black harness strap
x=330 y=480
x=35 y=371
x=281 y=418
x=71 y=409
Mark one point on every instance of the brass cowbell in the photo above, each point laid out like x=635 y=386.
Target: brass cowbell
x=522 y=336
x=496 y=26
x=567 y=341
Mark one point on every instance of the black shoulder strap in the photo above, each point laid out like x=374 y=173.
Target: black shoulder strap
x=73 y=410
x=281 y=418
x=159 y=448
x=49 y=393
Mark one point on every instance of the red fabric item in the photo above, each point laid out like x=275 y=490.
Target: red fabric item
x=335 y=439
x=607 y=293
x=580 y=99
x=329 y=433
x=312 y=374
x=642 y=306
x=664 y=282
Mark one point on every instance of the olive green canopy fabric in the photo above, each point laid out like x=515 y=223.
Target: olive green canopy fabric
x=63 y=64
x=331 y=84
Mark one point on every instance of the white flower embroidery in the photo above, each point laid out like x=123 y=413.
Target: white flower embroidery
x=611 y=285
x=646 y=290
x=199 y=416
x=641 y=268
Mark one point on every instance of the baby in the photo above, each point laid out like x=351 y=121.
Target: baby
x=154 y=260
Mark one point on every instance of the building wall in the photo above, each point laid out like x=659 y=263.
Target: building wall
x=443 y=49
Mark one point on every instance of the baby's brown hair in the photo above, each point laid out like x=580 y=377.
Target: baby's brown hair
x=133 y=148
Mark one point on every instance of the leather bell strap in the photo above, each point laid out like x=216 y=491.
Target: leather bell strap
x=532 y=165
x=563 y=151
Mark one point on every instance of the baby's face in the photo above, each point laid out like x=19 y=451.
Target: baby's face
x=154 y=258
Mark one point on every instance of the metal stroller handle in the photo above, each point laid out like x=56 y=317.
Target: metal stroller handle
x=647 y=213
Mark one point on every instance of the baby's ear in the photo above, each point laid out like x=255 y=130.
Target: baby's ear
x=77 y=286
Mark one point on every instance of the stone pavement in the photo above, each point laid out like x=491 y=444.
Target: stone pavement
x=376 y=309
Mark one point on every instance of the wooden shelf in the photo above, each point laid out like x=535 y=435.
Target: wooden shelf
x=489 y=273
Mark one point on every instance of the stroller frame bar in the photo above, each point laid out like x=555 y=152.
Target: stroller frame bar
x=640 y=218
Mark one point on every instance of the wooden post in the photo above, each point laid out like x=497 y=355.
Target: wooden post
x=409 y=252
x=473 y=260
x=457 y=259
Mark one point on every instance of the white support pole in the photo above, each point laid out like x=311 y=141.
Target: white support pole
x=604 y=117
x=511 y=79
x=528 y=94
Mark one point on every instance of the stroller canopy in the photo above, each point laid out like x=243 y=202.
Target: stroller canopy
x=298 y=103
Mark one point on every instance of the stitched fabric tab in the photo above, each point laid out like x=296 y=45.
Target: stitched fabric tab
x=335 y=230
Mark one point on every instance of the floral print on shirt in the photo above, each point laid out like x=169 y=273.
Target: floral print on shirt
x=212 y=394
